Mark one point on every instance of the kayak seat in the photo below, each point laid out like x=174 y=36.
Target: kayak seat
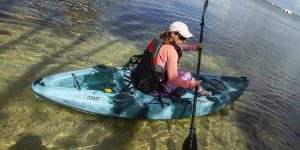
x=178 y=92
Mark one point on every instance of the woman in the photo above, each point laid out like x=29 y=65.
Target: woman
x=168 y=57
x=158 y=70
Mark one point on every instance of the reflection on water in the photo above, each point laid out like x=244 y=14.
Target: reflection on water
x=39 y=38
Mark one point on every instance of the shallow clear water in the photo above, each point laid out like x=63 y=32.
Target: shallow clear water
x=249 y=38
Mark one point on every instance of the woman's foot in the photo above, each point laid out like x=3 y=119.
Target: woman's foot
x=203 y=92
x=208 y=93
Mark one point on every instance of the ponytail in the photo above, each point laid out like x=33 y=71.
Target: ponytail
x=166 y=36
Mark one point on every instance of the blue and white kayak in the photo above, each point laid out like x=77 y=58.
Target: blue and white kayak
x=100 y=90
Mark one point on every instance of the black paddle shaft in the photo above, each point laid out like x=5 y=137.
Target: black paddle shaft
x=190 y=142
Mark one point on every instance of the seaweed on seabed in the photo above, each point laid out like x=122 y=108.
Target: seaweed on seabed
x=5 y=32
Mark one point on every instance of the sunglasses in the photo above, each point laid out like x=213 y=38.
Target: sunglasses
x=181 y=37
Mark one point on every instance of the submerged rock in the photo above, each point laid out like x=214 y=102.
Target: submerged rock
x=4 y=32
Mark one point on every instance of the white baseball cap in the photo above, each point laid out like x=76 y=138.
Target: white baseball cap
x=181 y=28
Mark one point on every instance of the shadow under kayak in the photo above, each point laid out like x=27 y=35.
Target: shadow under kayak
x=98 y=90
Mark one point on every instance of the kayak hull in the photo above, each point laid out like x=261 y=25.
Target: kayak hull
x=98 y=90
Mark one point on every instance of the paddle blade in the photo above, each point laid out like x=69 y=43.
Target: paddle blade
x=190 y=143
x=204 y=8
